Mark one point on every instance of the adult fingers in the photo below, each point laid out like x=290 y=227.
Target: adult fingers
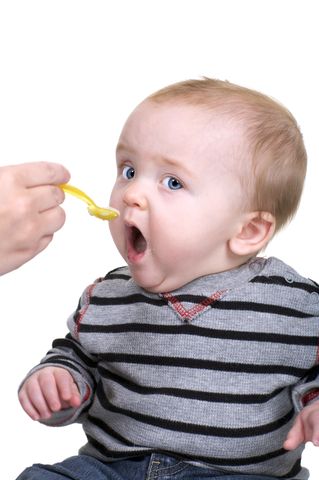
x=51 y=221
x=41 y=173
x=46 y=197
x=33 y=233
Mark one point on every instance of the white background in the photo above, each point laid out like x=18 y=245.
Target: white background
x=71 y=71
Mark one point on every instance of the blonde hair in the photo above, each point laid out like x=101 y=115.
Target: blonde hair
x=275 y=144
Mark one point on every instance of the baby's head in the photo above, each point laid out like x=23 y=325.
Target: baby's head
x=273 y=159
x=207 y=172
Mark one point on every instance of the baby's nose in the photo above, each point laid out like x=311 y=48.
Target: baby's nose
x=135 y=196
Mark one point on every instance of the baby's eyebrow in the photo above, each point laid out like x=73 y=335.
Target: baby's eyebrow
x=122 y=147
x=167 y=161
x=172 y=162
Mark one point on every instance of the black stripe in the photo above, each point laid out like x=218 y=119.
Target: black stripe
x=230 y=462
x=118 y=276
x=248 y=306
x=203 y=364
x=71 y=363
x=108 y=430
x=59 y=361
x=130 y=299
x=74 y=346
x=260 y=307
x=192 y=428
x=117 y=454
x=278 y=280
x=294 y=471
x=190 y=329
x=220 y=305
x=312 y=374
x=189 y=394
x=114 y=274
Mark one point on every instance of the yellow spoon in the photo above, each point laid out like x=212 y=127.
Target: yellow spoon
x=93 y=209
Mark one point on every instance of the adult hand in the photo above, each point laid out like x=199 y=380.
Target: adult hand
x=29 y=210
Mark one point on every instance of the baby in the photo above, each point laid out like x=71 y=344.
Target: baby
x=200 y=358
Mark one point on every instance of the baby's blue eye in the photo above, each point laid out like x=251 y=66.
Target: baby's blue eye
x=172 y=183
x=128 y=173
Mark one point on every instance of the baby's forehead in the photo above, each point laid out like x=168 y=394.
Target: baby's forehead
x=190 y=114
x=188 y=120
x=205 y=131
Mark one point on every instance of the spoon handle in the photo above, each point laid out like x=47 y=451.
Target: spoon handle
x=76 y=192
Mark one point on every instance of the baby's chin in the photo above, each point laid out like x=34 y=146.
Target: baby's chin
x=159 y=284
x=148 y=285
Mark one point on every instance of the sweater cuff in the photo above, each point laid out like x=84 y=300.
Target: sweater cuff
x=69 y=415
x=305 y=394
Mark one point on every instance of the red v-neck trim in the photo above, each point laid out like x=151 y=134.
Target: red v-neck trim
x=188 y=314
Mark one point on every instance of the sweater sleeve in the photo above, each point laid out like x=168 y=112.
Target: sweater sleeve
x=307 y=390
x=68 y=353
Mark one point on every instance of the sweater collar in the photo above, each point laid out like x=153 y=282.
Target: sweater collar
x=223 y=281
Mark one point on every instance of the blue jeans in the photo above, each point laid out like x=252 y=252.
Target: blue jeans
x=156 y=466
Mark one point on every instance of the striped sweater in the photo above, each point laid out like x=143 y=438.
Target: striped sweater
x=214 y=372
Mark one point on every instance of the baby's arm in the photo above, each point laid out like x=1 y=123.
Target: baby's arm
x=60 y=389
x=48 y=391
x=305 y=428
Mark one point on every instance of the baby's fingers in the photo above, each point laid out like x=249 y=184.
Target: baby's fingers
x=68 y=391
x=49 y=389
x=312 y=426
x=33 y=401
x=305 y=428
x=295 y=436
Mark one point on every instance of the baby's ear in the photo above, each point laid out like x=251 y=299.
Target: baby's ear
x=256 y=231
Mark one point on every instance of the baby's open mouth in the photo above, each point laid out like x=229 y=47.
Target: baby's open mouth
x=136 y=242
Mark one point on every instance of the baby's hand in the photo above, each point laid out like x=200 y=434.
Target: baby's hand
x=48 y=390
x=305 y=428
